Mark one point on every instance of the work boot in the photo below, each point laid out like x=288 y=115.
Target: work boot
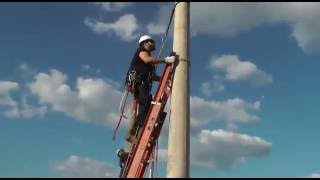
x=132 y=139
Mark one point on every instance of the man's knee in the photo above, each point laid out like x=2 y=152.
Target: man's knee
x=144 y=99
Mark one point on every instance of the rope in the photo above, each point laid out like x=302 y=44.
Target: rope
x=164 y=39
x=166 y=34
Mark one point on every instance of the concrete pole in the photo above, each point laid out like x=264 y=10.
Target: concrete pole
x=179 y=131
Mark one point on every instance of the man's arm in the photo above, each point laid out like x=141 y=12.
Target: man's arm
x=148 y=59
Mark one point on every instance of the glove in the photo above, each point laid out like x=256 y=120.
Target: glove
x=169 y=59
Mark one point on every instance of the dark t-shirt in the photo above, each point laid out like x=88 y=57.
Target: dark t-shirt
x=139 y=65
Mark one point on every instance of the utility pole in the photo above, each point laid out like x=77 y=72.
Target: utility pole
x=179 y=131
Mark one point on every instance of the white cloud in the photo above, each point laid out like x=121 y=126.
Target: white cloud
x=93 y=100
x=15 y=109
x=6 y=100
x=112 y=6
x=26 y=71
x=24 y=67
x=228 y=19
x=222 y=150
x=7 y=86
x=125 y=27
x=315 y=175
x=156 y=29
x=85 y=67
x=23 y=109
x=29 y=111
x=77 y=167
x=26 y=111
x=159 y=26
x=230 y=111
x=204 y=112
x=237 y=70
x=89 y=68
x=208 y=88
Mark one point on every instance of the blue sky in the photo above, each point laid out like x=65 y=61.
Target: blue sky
x=254 y=91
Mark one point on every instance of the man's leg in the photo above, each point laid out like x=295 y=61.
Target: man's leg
x=144 y=100
x=132 y=123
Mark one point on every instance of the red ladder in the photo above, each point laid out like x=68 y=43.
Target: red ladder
x=138 y=158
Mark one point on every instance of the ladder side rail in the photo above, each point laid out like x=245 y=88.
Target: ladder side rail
x=141 y=146
x=165 y=93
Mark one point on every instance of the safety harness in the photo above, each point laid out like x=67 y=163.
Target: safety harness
x=133 y=79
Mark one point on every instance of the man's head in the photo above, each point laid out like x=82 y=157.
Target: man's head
x=147 y=42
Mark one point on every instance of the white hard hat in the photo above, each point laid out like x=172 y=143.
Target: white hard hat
x=144 y=38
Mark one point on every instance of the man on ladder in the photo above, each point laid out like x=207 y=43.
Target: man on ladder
x=140 y=76
x=143 y=70
x=138 y=81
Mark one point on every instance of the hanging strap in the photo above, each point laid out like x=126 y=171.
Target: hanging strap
x=123 y=102
x=121 y=111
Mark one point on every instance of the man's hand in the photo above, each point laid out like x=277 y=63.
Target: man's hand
x=169 y=59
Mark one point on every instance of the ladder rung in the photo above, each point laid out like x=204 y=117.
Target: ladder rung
x=155 y=103
x=141 y=150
